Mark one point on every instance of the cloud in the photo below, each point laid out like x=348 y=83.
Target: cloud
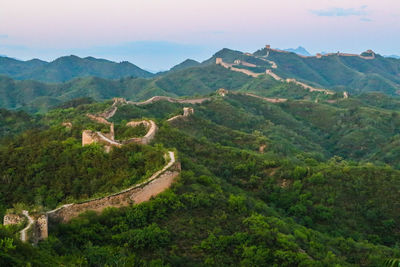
x=3 y=36
x=340 y=12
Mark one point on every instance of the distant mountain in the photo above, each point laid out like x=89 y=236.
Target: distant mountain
x=341 y=72
x=299 y=50
x=394 y=56
x=188 y=63
x=68 y=68
x=34 y=96
x=357 y=74
x=368 y=72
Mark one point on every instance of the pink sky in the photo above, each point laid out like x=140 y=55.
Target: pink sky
x=28 y=27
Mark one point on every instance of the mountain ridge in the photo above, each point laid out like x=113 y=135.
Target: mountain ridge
x=299 y=50
x=66 y=68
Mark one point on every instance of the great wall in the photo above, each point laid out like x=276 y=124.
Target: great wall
x=269 y=72
x=37 y=226
x=320 y=55
x=169 y=99
x=237 y=62
x=223 y=92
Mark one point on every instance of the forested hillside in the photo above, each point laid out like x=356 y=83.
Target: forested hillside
x=279 y=74
x=67 y=68
x=296 y=183
x=32 y=96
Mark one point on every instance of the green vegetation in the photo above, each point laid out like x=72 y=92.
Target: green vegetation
x=15 y=122
x=341 y=73
x=123 y=132
x=296 y=204
x=56 y=168
x=312 y=181
x=90 y=77
x=67 y=68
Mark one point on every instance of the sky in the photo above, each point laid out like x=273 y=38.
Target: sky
x=157 y=34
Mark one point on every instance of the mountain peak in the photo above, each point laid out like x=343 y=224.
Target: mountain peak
x=299 y=50
x=185 y=64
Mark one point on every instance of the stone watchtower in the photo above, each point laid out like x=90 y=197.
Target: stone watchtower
x=187 y=111
x=42 y=227
x=267 y=47
x=222 y=92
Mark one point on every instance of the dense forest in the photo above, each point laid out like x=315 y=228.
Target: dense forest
x=299 y=183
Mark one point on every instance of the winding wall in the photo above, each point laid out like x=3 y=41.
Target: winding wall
x=169 y=99
x=136 y=194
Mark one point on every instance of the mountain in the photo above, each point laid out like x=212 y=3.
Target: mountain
x=68 y=68
x=339 y=71
x=356 y=74
x=299 y=50
x=188 y=63
x=394 y=56
x=33 y=96
x=297 y=183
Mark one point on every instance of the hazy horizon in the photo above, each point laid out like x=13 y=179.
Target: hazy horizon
x=155 y=35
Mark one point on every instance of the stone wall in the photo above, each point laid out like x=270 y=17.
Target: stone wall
x=98 y=119
x=42 y=227
x=219 y=61
x=169 y=99
x=88 y=137
x=145 y=140
x=12 y=219
x=135 y=195
x=186 y=112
